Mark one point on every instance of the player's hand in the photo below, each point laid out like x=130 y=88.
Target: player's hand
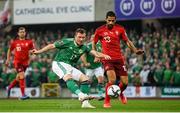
x=96 y=59
x=107 y=57
x=34 y=51
x=139 y=52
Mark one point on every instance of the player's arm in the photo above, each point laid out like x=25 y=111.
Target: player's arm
x=44 y=49
x=100 y=55
x=95 y=40
x=84 y=60
x=94 y=45
x=10 y=49
x=8 y=57
x=32 y=47
x=124 y=37
x=133 y=48
x=96 y=59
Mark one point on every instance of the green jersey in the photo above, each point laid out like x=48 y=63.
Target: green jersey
x=90 y=58
x=69 y=52
x=167 y=76
x=159 y=75
x=176 y=76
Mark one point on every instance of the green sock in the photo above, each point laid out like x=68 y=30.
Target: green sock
x=72 y=86
x=100 y=89
x=85 y=87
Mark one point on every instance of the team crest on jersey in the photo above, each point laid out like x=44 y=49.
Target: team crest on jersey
x=111 y=32
x=117 y=33
x=61 y=42
x=80 y=51
x=107 y=39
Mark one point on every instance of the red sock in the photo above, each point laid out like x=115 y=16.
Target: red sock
x=122 y=86
x=22 y=86
x=107 y=98
x=13 y=83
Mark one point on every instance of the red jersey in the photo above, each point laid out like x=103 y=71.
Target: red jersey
x=21 y=50
x=110 y=40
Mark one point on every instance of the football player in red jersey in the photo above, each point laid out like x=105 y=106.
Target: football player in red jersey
x=110 y=35
x=21 y=47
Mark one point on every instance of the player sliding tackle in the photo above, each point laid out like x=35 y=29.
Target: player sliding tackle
x=68 y=54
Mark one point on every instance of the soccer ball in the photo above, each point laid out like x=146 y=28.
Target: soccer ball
x=113 y=91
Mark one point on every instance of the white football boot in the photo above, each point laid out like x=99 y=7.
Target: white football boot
x=84 y=100
x=86 y=104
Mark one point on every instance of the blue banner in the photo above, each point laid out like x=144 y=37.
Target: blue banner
x=141 y=9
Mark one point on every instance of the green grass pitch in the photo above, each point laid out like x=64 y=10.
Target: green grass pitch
x=73 y=105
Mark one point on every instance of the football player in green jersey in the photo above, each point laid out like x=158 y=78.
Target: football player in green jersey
x=69 y=53
x=93 y=68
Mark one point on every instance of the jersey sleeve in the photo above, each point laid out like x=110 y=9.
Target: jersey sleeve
x=96 y=36
x=124 y=35
x=98 y=46
x=32 y=46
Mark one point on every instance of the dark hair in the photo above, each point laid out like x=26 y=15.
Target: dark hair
x=111 y=14
x=21 y=28
x=80 y=30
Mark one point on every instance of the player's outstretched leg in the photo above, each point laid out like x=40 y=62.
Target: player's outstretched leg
x=100 y=91
x=122 y=97
x=107 y=103
x=12 y=84
x=85 y=88
x=73 y=87
x=22 y=88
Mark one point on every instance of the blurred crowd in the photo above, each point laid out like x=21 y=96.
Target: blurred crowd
x=159 y=66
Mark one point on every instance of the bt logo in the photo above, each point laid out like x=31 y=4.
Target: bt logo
x=147 y=6
x=168 y=6
x=127 y=7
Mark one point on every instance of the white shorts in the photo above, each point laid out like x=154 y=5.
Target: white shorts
x=62 y=69
x=97 y=72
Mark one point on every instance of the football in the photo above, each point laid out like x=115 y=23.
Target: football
x=113 y=91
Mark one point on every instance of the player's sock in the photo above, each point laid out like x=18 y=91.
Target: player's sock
x=85 y=87
x=122 y=86
x=72 y=86
x=100 y=89
x=22 y=86
x=13 y=83
x=107 y=98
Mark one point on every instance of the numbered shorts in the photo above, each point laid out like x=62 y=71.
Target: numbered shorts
x=62 y=69
x=20 y=67
x=97 y=72
x=117 y=65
